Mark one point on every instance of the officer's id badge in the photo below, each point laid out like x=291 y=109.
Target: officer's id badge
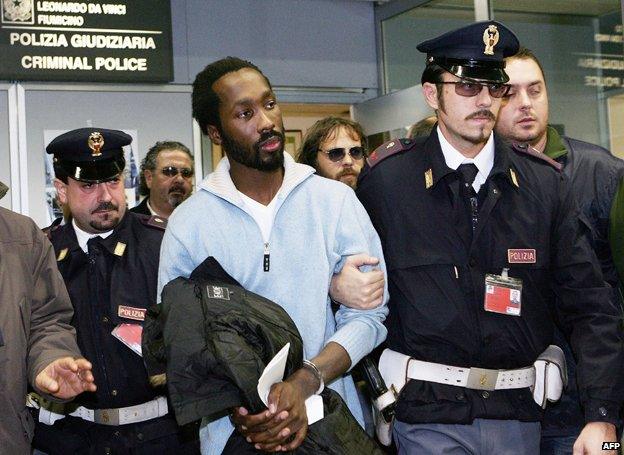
x=130 y=335
x=503 y=294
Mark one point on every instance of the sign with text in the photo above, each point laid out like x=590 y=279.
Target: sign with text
x=603 y=63
x=95 y=41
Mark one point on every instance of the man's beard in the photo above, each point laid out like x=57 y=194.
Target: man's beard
x=252 y=158
x=110 y=221
x=176 y=195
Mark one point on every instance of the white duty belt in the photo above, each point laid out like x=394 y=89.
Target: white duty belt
x=546 y=378
x=117 y=416
x=399 y=368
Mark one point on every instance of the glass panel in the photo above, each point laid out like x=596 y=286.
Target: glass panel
x=5 y=156
x=579 y=44
x=403 y=63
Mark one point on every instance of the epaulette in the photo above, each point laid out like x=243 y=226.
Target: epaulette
x=526 y=149
x=55 y=224
x=154 y=221
x=388 y=149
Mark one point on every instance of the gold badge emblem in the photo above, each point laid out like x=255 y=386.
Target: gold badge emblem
x=95 y=143
x=428 y=179
x=483 y=380
x=514 y=179
x=62 y=254
x=120 y=248
x=490 y=39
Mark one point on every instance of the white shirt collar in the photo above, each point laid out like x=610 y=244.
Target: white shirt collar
x=149 y=207
x=484 y=160
x=83 y=236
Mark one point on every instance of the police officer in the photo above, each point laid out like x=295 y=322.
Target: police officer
x=108 y=258
x=478 y=238
x=594 y=175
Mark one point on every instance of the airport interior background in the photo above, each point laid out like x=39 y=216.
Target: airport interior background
x=352 y=58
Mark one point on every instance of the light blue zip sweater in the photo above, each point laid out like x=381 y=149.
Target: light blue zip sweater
x=318 y=223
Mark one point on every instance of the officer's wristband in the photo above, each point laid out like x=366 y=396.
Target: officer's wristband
x=317 y=373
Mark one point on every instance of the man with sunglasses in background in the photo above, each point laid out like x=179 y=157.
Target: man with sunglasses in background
x=594 y=176
x=109 y=261
x=336 y=148
x=166 y=178
x=479 y=237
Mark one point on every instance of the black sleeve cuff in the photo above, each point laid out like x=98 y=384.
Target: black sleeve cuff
x=602 y=411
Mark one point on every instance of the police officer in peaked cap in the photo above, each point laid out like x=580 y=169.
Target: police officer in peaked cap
x=108 y=258
x=479 y=236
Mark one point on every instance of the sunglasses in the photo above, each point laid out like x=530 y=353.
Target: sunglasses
x=464 y=88
x=172 y=171
x=338 y=154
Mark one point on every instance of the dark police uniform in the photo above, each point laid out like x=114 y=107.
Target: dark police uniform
x=142 y=207
x=437 y=265
x=436 y=278
x=112 y=284
x=594 y=175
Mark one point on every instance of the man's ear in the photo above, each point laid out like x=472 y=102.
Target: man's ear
x=148 y=178
x=430 y=92
x=61 y=191
x=214 y=134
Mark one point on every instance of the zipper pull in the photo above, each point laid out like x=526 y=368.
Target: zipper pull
x=267 y=257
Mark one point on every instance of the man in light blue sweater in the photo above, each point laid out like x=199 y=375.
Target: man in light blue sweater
x=282 y=232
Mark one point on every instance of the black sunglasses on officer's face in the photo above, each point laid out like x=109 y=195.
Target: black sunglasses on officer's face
x=464 y=88
x=338 y=153
x=172 y=171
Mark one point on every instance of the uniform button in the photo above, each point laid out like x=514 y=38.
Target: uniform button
x=472 y=262
x=140 y=436
x=603 y=412
x=107 y=450
x=114 y=392
x=105 y=319
x=460 y=397
x=485 y=394
x=117 y=433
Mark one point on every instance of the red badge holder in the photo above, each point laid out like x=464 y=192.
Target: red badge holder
x=503 y=294
x=130 y=335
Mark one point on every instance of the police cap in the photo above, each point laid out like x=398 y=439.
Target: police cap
x=90 y=155
x=476 y=51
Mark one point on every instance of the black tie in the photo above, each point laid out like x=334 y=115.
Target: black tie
x=468 y=172
x=93 y=245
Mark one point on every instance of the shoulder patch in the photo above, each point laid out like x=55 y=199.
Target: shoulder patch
x=525 y=149
x=388 y=149
x=155 y=221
